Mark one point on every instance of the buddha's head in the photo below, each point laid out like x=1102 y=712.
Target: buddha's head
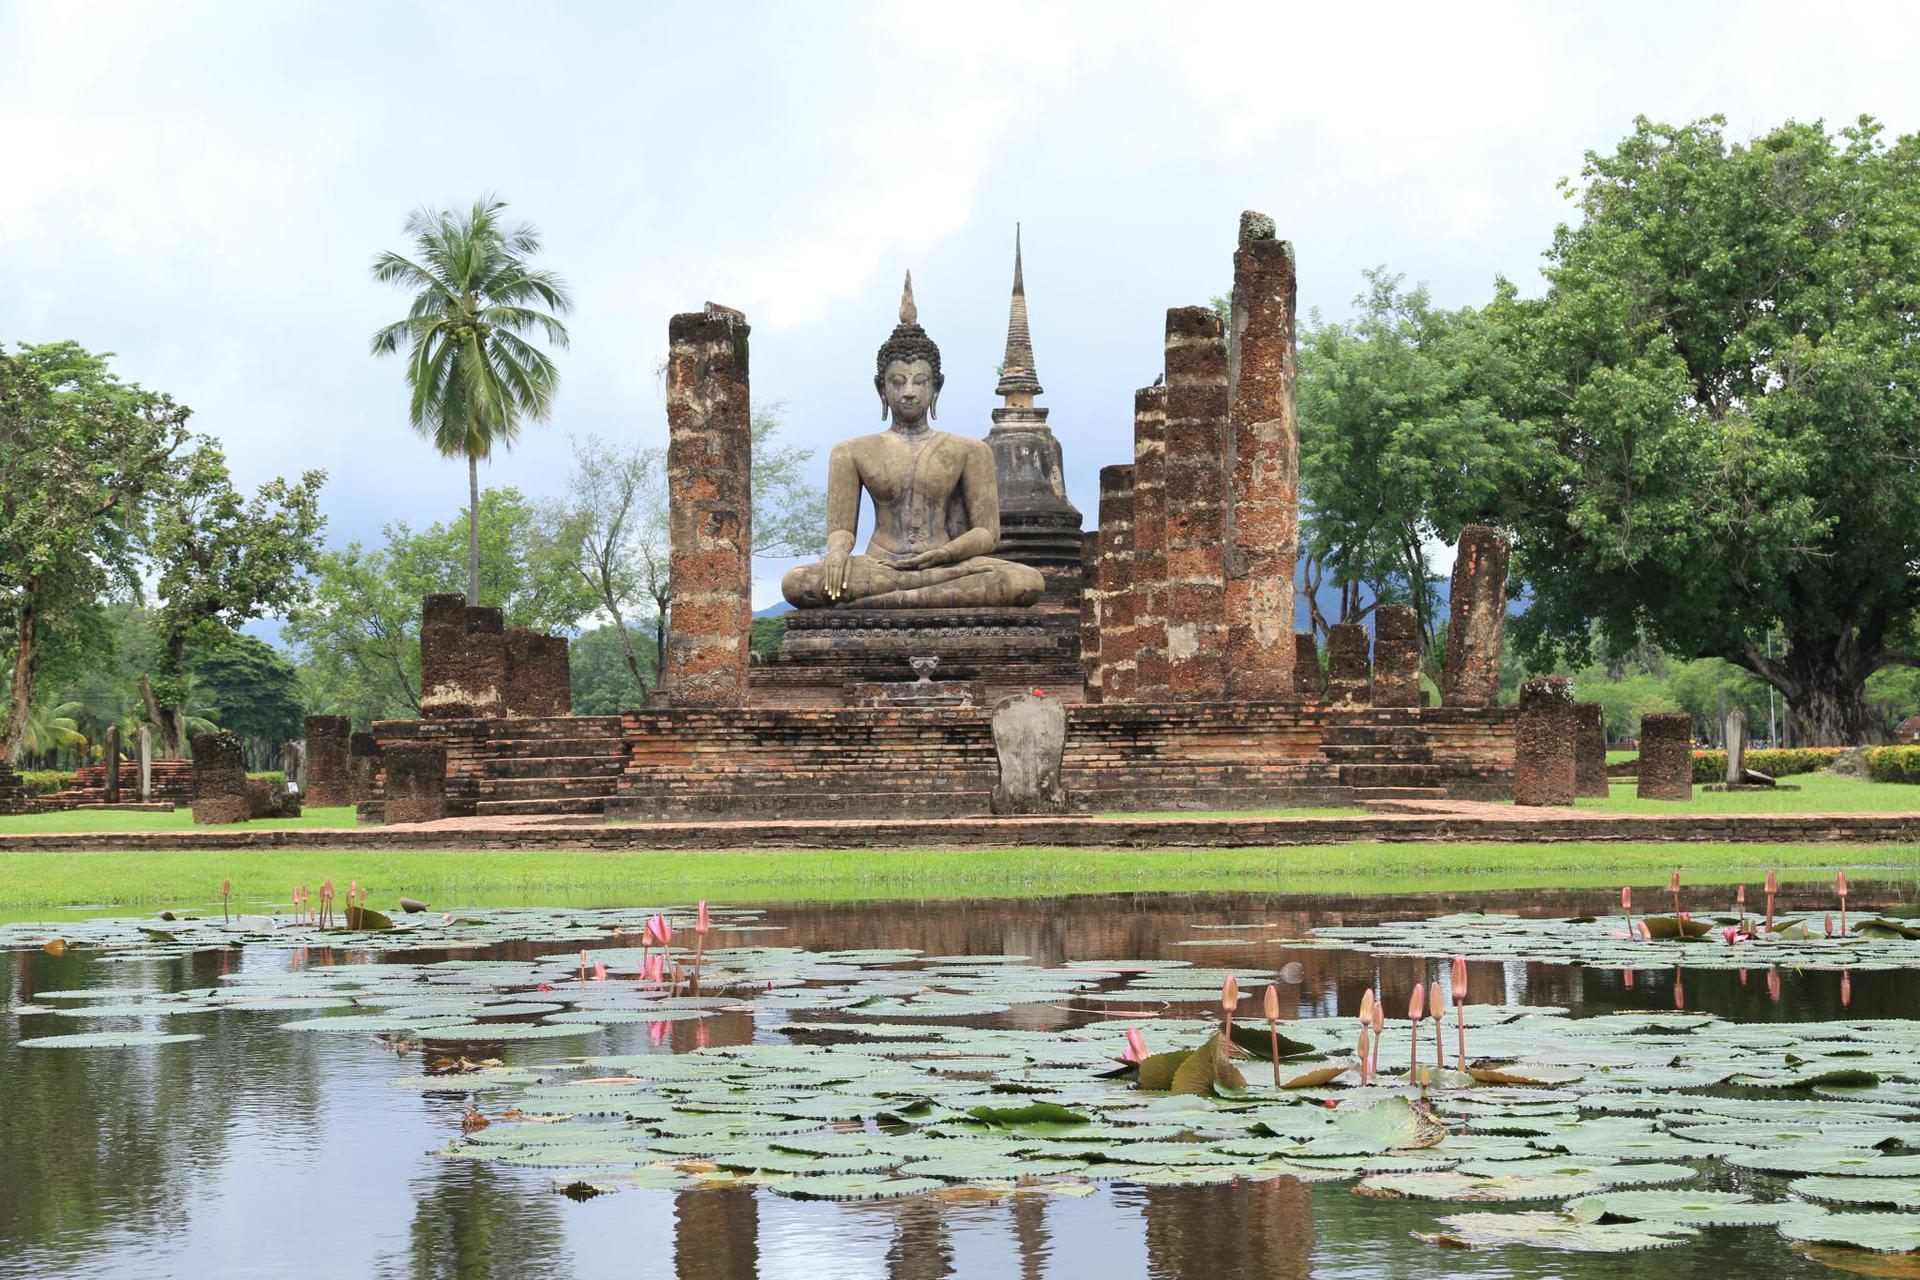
x=907 y=369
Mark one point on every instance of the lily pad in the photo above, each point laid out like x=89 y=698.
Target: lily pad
x=1876 y=1232
x=108 y=1039
x=1547 y=1230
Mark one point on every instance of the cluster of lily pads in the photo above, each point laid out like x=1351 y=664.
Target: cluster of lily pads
x=887 y=1079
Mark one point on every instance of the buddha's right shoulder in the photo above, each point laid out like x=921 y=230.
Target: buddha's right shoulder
x=861 y=444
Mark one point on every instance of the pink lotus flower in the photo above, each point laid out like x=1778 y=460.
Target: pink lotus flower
x=659 y=932
x=1136 y=1050
x=656 y=969
x=1729 y=933
x=599 y=972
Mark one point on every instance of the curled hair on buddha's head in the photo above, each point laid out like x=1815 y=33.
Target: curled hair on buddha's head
x=908 y=342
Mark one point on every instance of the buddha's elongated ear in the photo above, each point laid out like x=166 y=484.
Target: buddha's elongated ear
x=933 y=405
x=880 y=389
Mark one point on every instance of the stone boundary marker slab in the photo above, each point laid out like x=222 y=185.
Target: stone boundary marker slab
x=1543 y=765
x=1666 y=756
x=1408 y=822
x=1030 y=740
x=219 y=779
x=1590 y=750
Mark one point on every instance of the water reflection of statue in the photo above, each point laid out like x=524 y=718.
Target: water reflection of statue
x=936 y=504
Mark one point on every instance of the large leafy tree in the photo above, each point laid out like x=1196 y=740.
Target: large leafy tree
x=473 y=373
x=222 y=559
x=1727 y=365
x=80 y=453
x=1401 y=444
x=257 y=694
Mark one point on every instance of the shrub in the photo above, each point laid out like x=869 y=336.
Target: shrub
x=1893 y=764
x=42 y=782
x=1711 y=766
x=275 y=776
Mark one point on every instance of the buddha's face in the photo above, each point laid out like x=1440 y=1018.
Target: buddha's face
x=908 y=390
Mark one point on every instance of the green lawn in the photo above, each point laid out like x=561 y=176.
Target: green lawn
x=72 y=821
x=35 y=882
x=1818 y=793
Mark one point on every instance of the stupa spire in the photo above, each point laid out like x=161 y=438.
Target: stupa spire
x=1019 y=382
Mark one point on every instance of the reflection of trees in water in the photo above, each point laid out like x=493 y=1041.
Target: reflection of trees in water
x=124 y=1139
x=921 y=1249
x=1031 y=1235
x=1262 y=1229
x=470 y=1221
x=716 y=1234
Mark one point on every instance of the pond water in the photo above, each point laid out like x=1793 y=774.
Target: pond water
x=261 y=1151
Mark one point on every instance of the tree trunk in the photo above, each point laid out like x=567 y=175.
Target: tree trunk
x=473 y=530
x=26 y=664
x=1824 y=682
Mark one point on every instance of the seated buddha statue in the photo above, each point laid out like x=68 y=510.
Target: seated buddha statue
x=936 y=504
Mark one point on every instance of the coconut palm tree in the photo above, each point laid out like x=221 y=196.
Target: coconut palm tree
x=52 y=728
x=472 y=371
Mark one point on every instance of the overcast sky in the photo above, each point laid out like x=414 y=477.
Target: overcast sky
x=200 y=187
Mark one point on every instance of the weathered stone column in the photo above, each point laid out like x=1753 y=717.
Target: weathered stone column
x=1265 y=519
x=539 y=682
x=1307 y=684
x=1478 y=615
x=1590 y=750
x=112 y=763
x=219 y=778
x=146 y=763
x=416 y=783
x=328 y=783
x=1150 y=545
x=1543 y=771
x=1396 y=657
x=1349 y=673
x=1115 y=583
x=1733 y=734
x=1092 y=605
x=363 y=768
x=1196 y=505
x=710 y=509
x=1666 y=756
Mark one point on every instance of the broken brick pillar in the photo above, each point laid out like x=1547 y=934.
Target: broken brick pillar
x=416 y=783
x=329 y=781
x=463 y=659
x=1091 y=606
x=1396 y=657
x=1149 y=545
x=1589 y=749
x=1307 y=683
x=1666 y=756
x=1477 y=618
x=1543 y=772
x=1196 y=505
x=363 y=768
x=1349 y=671
x=219 y=778
x=539 y=682
x=1265 y=450
x=710 y=509
x=1114 y=581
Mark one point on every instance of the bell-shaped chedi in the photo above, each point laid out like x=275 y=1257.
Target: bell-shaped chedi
x=1038 y=525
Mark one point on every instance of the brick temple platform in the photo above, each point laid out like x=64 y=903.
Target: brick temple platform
x=793 y=763
x=1470 y=823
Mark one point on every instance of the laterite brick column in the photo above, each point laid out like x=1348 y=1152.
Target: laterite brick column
x=363 y=768
x=1478 y=616
x=1349 y=672
x=1196 y=505
x=1114 y=581
x=1149 y=545
x=329 y=781
x=416 y=783
x=1666 y=756
x=1307 y=683
x=539 y=682
x=1092 y=605
x=1590 y=750
x=710 y=509
x=219 y=778
x=1265 y=449
x=443 y=655
x=1543 y=743
x=1396 y=657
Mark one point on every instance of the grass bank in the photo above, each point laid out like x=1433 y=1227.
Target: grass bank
x=1798 y=793
x=76 y=821
x=34 y=882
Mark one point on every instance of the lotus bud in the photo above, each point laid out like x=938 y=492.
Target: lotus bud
x=599 y=972
x=1434 y=1002
x=1626 y=897
x=1270 y=1003
x=1673 y=883
x=1366 y=1007
x=1459 y=979
x=700 y=917
x=1379 y=1019
x=1829 y=924
x=1740 y=896
x=1230 y=995
x=1840 y=884
x=1417 y=1007
x=1136 y=1050
x=1773 y=884
x=1846 y=989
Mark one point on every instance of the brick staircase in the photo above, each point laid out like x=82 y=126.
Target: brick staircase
x=1382 y=753
x=172 y=785
x=550 y=764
